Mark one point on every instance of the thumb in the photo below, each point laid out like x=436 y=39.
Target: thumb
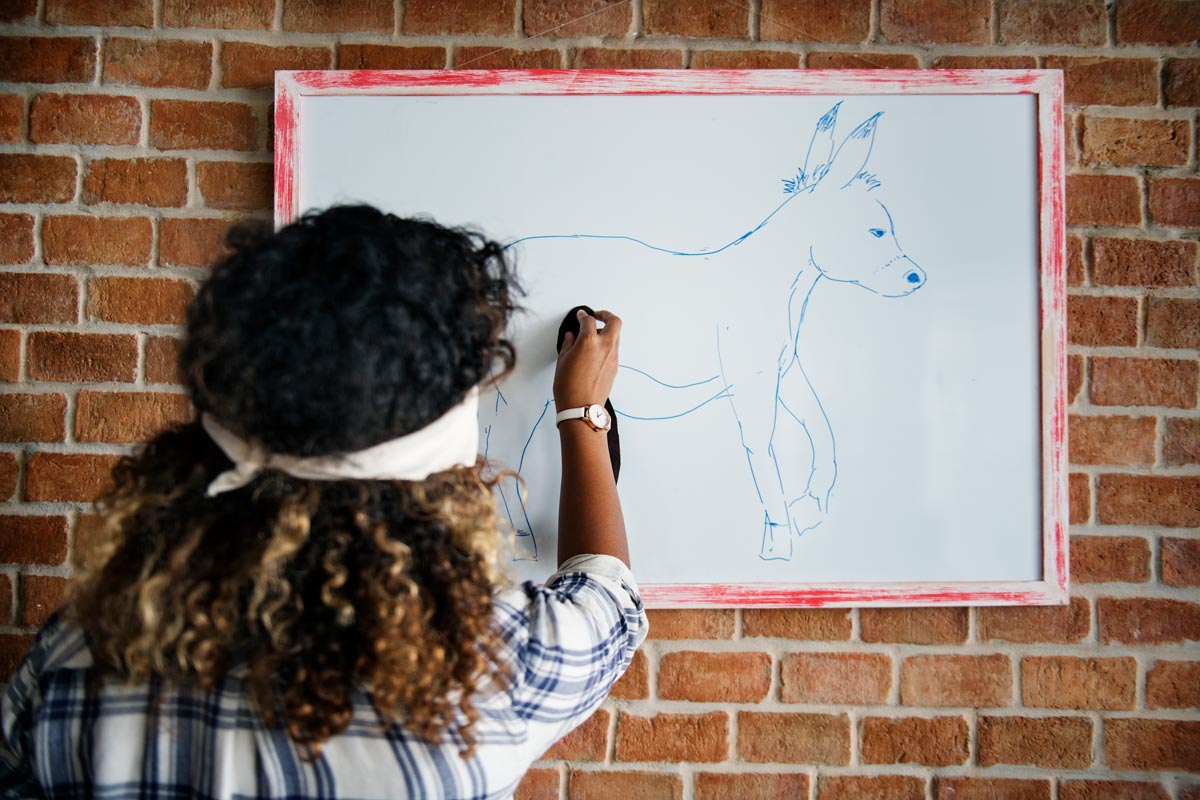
x=568 y=340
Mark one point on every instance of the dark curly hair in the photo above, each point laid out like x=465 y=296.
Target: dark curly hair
x=345 y=329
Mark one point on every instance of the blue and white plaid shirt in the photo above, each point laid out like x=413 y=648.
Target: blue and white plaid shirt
x=569 y=642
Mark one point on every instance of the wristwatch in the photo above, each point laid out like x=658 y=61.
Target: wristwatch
x=594 y=415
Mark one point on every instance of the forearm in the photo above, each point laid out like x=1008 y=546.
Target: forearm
x=589 y=510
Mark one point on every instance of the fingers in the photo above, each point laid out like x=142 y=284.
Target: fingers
x=612 y=323
x=568 y=340
x=587 y=324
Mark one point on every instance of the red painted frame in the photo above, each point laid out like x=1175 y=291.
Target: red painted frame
x=1047 y=85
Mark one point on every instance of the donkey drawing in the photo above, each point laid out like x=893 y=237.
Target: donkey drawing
x=757 y=371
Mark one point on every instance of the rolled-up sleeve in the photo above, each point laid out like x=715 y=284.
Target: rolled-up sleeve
x=571 y=639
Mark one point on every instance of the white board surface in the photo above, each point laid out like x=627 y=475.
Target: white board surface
x=915 y=455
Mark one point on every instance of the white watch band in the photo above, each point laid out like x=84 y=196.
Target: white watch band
x=570 y=413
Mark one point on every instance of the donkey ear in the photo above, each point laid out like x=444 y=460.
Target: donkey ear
x=820 y=147
x=852 y=156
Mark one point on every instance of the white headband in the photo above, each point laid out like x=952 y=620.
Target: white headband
x=451 y=440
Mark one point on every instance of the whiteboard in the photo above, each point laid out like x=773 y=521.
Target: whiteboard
x=832 y=360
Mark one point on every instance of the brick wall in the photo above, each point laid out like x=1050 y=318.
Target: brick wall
x=133 y=131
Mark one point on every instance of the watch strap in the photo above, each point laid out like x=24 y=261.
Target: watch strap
x=570 y=413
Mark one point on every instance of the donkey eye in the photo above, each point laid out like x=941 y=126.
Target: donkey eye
x=877 y=232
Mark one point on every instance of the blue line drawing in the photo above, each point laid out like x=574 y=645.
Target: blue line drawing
x=773 y=402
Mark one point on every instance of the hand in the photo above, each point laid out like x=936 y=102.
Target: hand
x=587 y=363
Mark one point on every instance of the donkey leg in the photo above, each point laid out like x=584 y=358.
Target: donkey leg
x=809 y=475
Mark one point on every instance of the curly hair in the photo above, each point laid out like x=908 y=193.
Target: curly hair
x=345 y=329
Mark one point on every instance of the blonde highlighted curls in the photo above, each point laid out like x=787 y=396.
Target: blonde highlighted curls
x=313 y=587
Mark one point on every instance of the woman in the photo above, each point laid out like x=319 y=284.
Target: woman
x=298 y=595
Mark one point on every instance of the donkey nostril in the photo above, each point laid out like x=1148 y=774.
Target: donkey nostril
x=912 y=277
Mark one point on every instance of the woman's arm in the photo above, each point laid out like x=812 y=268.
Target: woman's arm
x=589 y=511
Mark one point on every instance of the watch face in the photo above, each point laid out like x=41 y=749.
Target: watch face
x=598 y=416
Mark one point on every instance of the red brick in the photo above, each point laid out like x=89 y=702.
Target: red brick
x=1152 y=744
x=744 y=59
x=12 y=650
x=835 y=678
x=1136 y=142
x=588 y=742
x=861 y=61
x=32 y=417
x=1074 y=22
x=1141 y=262
x=992 y=789
x=67 y=477
x=1173 y=323
x=987 y=62
x=1144 y=382
x=18 y=11
x=1079 y=683
x=950 y=680
x=158 y=62
x=1149 y=500
x=36 y=179
x=635 y=683
x=695 y=18
x=139 y=181
x=384 y=56
x=226 y=14
x=1181 y=441
x=185 y=242
x=80 y=239
x=1049 y=742
x=162 y=359
x=33 y=539
x=46 y=59
x=1182 y=83
x=704 y=623
x=41 y=595
x=252 y=66
x=629 y=785
x=459 y=16
x=506 y=58
x=1147 y=620
x=1158 y=21
x=935 y=742
x=16 y=238
x=1110 y=559
x=824 y=624
x=538 y=784
x=8 y=476
x=1173 y=684
x=1028 y=624
x=1074 y=378
x=196 y=124
x=874 y=787
x=1110 y=790
x=1111 y=440
x=87 y=527
x=604 y=58
x=714 y=677
x=784 y=738
x=6 y=601
x=235 y=184
x=944 y=625
x=10 y=363
x=319 y=16
x=936 y=21
x=128 y=416
x=1096 y=81
x=148 y=301
x=1181 y=562
x=750 y=786
x=823 y=21
x=1103 y=200
x=82 y=357
x=576 y=18
x=84 y=119
x=1175 y=202
x=673 y=737
x=1098 y=321
x=27 y=297
x=105 y=13
x=12 y=118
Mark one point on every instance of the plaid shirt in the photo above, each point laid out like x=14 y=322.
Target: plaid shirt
x=569 y=642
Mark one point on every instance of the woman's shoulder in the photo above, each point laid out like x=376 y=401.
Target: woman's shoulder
x=59 y=644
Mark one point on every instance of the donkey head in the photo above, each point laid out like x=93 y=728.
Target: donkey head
x=856 y=241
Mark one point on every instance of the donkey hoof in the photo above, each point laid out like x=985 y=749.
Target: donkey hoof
x=776 y=543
